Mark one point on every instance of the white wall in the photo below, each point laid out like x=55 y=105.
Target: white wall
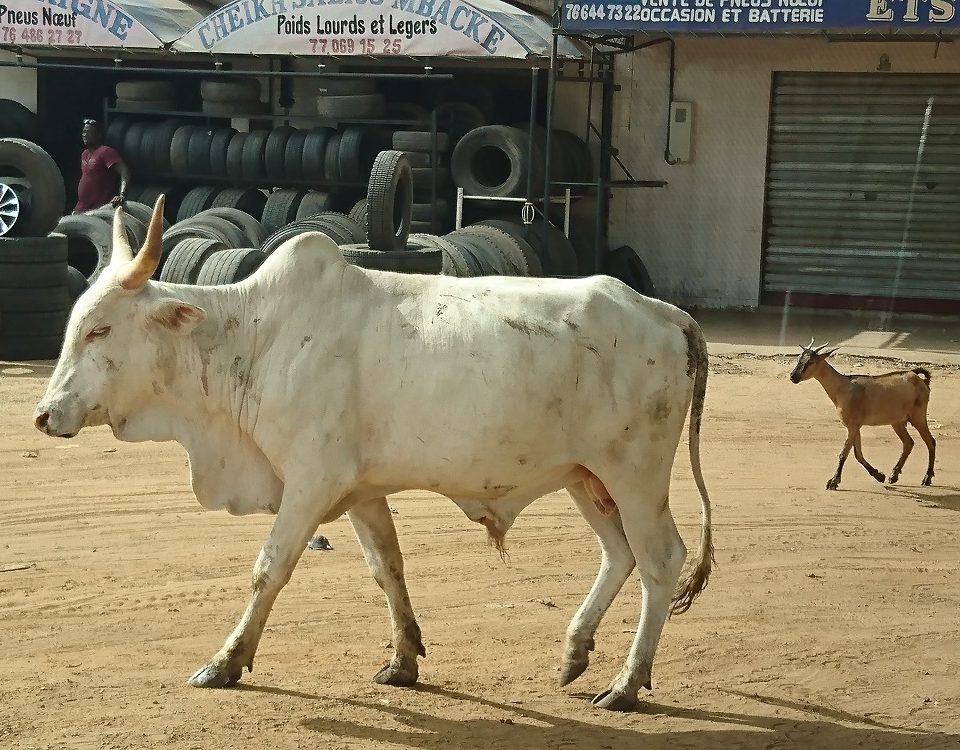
x=701 y=236
x=19 y=84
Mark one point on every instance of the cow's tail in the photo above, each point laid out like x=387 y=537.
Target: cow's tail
x=695 y=580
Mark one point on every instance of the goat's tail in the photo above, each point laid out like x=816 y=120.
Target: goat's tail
x=923 y=373
x=695 y=580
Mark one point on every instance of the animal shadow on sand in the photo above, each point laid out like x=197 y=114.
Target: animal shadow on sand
x=522 y=728
x=947 y=498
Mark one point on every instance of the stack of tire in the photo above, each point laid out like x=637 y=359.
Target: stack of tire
x=37 y=288
x=420 y=146
x=231 y=96
x=16 y=121
x=344 y=98
x=146 y=96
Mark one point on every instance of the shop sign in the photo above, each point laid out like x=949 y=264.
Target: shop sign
x=762 y=16
x=352 y=27
x=71 y=23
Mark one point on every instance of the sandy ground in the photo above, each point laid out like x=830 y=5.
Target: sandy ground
x=832 y=619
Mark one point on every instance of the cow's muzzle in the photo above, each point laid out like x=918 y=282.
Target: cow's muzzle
x=42 y=421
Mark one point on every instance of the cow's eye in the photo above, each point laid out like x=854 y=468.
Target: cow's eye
x=98 y=333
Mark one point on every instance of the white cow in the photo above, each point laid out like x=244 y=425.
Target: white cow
x=316 y=388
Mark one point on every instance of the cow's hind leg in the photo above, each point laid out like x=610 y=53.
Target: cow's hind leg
x=297 y=520
x=659 y=553
x=377 y=535
x=616 y=563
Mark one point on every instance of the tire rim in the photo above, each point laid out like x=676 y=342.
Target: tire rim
x=9 y=208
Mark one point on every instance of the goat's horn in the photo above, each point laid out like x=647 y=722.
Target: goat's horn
x=122 y=252
x=822 y=346
x=141 y=268
x=828 y=353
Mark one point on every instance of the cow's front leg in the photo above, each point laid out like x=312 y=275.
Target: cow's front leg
x=298 y=518
x=373 y=524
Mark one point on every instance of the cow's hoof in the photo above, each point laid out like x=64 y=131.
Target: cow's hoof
x=571 y=669
x=392 y=674
x=216 y=676
x=613 y=701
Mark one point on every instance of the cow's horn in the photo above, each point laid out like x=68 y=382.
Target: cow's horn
x=122 y=252
x=142 y=267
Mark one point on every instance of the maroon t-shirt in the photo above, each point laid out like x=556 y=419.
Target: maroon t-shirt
x=98 y=185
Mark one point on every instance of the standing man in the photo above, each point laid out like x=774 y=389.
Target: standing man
x=100 y=165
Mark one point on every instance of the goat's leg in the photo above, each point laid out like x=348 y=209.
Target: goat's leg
x=858 y=453
x=834 y=481
x=901 y=429
x=921 y=425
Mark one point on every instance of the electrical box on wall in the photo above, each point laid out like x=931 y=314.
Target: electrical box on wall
x=681 y=130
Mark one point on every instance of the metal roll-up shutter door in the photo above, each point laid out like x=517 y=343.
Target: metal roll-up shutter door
x=863 y=189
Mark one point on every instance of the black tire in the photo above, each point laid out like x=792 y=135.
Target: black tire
x=197 y=200
x=361 y=106
x=359 y=213
x=145 y=90
x=199 y=151
x=183 y=264
x=47 y=196
x=403 y=261
x=180 y=232
x=314 y=224
x=25 y=349
x=359 y=147
x=415 y=140
x=160 y=138
x=116 y=131
x=281 y=209
x=235 y=156
x=131 y=147
x=557 y=255
x=174 y=199
x=53 y=299
x=254 y=147
x=578 y=157
x=421 y=227
x=313 y=203
x=33 y=262
x=248 y=200
x=389 y=202
x=34 y=324
x=180 y=148
x=89 y=243
x=417 y=159
x=235 y=236
x=275 y=152
x=530 y=256
x=459 y=118
x=425 y=211
x=230 y=266
x=331 y=159
x=251 y=227
x=329 y=86
x=142 y=213
x=349 y=230
x=16 y=121
x=514 y=262
x=623 y=263
x=76 y=283
x=493 y=161
x=136 y=229
x=219 y=146
x=313 y=154
x=294 y=155
x=454 y=262
x=423 y=177
x=230 y=89
x=484 y=256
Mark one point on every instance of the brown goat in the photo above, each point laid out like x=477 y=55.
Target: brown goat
x=894 y=398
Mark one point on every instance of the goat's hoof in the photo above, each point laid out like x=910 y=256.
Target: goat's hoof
x=927 y=481
x=832 y=484
x=894 y=478
x=880 y=477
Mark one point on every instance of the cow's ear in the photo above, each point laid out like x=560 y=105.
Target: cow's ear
x=176 y=316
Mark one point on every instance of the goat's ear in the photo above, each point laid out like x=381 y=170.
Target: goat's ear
x=828 y=352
